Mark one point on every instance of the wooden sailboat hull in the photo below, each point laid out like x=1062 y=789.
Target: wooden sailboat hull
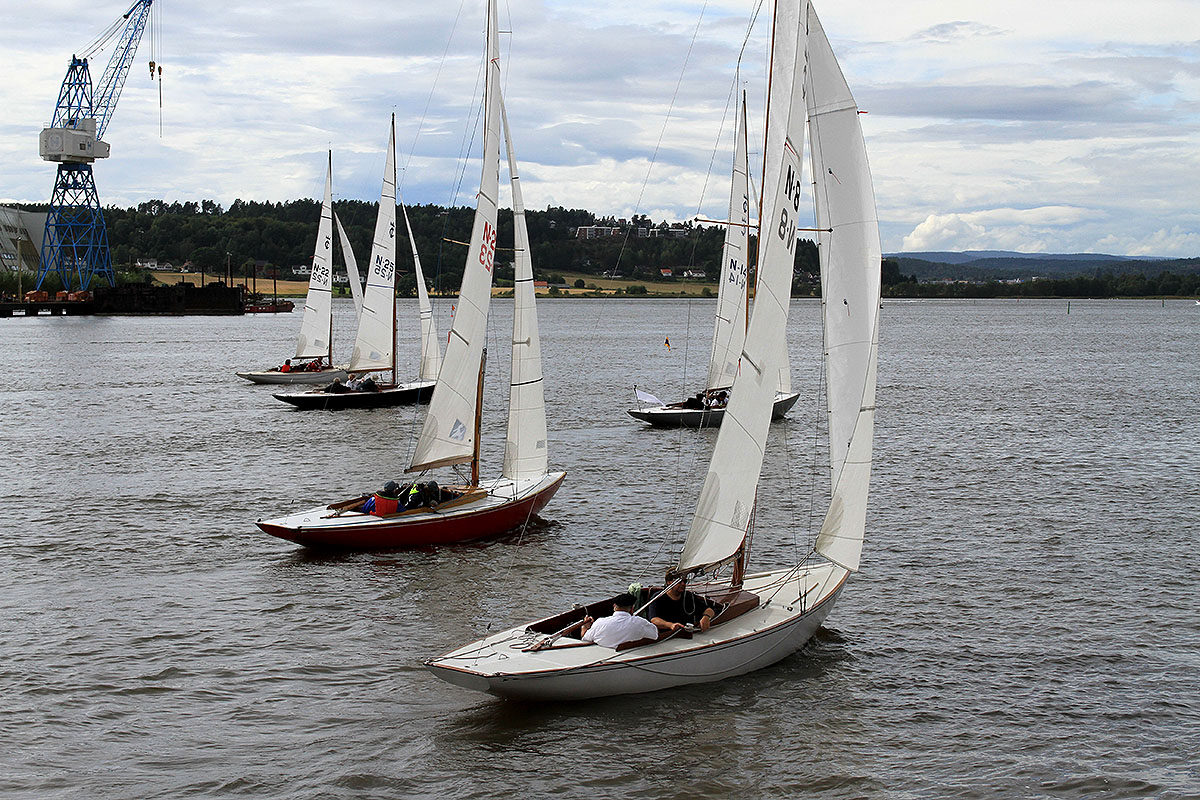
x=317 y=399
x=327 y=375
x=675 y=417
x=499 y=665
x=508 y=505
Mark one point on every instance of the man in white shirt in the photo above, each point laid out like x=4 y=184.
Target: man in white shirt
x=619 y=628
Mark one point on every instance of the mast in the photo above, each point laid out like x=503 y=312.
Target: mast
x=375 y=345
x=717 y=534
x=447 y=435
x=478 y=420
x=329 y=246
x=731 y=323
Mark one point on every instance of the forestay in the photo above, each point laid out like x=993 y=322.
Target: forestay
x=313 y=340
x=448 y=435
x=723 y=511
x=525 y=453
x=373 y=349
x=729 y=333
x=850 y=286
x=351 y=268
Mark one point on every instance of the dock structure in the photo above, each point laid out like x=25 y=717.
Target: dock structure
x=182 y=299
x=62 y=308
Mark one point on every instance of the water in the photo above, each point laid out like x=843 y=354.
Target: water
x=1024 y=624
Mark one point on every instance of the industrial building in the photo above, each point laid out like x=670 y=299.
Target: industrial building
x=21 y=238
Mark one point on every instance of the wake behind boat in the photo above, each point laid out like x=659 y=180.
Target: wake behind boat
x=755 y=619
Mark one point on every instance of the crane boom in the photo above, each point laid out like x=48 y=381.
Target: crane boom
x=108 y=91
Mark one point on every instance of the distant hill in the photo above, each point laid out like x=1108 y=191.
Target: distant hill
x=983 y=265
x=967 y=256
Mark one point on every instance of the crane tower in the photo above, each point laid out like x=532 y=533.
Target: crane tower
x=75 y=242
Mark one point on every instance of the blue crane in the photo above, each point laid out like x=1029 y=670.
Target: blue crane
x=75 y=243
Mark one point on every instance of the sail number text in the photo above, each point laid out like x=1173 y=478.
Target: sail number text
x=383 y=267
x=787 y=221
x=487 y=250
x=320 y=273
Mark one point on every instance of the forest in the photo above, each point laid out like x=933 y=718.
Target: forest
x=264 y=236
x=270 y=238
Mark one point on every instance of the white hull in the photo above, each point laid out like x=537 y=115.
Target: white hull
x=297 y=377
x=777 y=628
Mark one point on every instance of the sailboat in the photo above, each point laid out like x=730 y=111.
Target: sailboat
x=375 y=345
x=313 y=362
x=763 y=616
x=707 y=408
x=430 y=513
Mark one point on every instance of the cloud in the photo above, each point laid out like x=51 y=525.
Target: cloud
x=946 y=32
x=971 y=112
x=1027 y=230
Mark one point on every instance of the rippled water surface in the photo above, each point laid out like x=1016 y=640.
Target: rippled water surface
x=1025 y=623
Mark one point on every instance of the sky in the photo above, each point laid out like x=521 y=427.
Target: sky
x=1063 y=126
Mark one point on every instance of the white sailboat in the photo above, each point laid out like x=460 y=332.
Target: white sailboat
x=707 y=408
x=375 y=344
x=450 y=435
x=313 y=362
x=764 y=616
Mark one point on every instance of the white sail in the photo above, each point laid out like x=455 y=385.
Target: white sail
x=729 y=333
x=431 y=352
x=850 y=286
x=375 y=346
x=448 y=435
x=723 y=511
x=316 y=326
x=525 y=453
x=351 y=268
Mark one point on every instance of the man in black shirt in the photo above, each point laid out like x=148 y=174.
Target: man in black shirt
x=677 y=608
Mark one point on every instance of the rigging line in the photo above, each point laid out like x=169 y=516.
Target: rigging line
x=663 y=132
x=429 y=100
x=463 y=159
x=818 y=418
x=730 y=98
x=676 y=502
x=97 y=44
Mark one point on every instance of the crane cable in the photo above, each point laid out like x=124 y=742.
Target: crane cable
x=156 y=57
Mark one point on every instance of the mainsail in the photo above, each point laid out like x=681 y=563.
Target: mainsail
x=723 y=511
x=850 y=276
x=525 y=454
x=448 y=435
x=431 y=353
x=315 y=329
x=375 y=346
x=351 y=268
x=729 y=333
